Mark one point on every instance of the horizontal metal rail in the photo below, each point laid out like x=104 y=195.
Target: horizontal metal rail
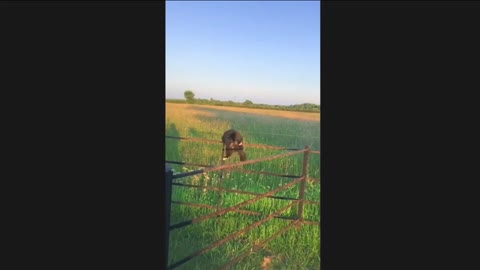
x=193 y=139
x=235 y=207
x=254 y=145
x=237 y=164
x=230 y=237
x=190 y=173
x=265 y=173
x=216 y=141
x=258 y=246
x=187 y=163
x=233 y=169
x=247 y=212
x=236 y=191
x=217 y=134
x=185 y=174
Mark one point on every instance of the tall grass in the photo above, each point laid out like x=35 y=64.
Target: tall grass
x=296 y=248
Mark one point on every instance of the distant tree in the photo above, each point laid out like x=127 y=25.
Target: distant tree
x=247 y=102
x=189 y=96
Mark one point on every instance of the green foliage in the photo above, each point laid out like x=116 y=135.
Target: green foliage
x=248 y=102
x=189 y=96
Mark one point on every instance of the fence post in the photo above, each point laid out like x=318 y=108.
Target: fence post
x=301 y=196
x=167 y=206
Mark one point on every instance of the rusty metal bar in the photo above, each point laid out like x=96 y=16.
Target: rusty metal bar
x=187 y=164
x=193 y=139
x=234 y=191
x=233 y=169
x=254 y=145
x=309 y=222
x=258 y=246
x=304 y=181
x=314 y=152
x=230 y=237
x=185 y=174
x=235 y=207
x=266 y=173
x=246 y=212
x=217 y=134
x=239 y=164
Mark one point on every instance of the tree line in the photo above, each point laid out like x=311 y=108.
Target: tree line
x=190 y=98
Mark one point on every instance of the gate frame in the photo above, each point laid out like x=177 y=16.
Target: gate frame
x=300 y=201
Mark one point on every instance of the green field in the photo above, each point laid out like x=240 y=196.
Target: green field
x=296 y=248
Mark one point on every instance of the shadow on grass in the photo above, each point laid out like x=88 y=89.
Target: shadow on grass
x=172 y=146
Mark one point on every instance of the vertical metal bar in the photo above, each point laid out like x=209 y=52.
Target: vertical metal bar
x=303 y=183
x=167 y=207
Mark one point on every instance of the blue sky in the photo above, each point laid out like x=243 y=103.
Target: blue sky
x=264 y=51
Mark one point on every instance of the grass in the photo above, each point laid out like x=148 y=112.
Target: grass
x=296 y=248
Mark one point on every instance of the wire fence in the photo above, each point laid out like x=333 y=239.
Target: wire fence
x=299 y=201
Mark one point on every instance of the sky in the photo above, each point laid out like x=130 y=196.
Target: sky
x=264 y=51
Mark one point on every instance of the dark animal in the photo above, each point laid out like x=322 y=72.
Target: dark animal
x=233 y=142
